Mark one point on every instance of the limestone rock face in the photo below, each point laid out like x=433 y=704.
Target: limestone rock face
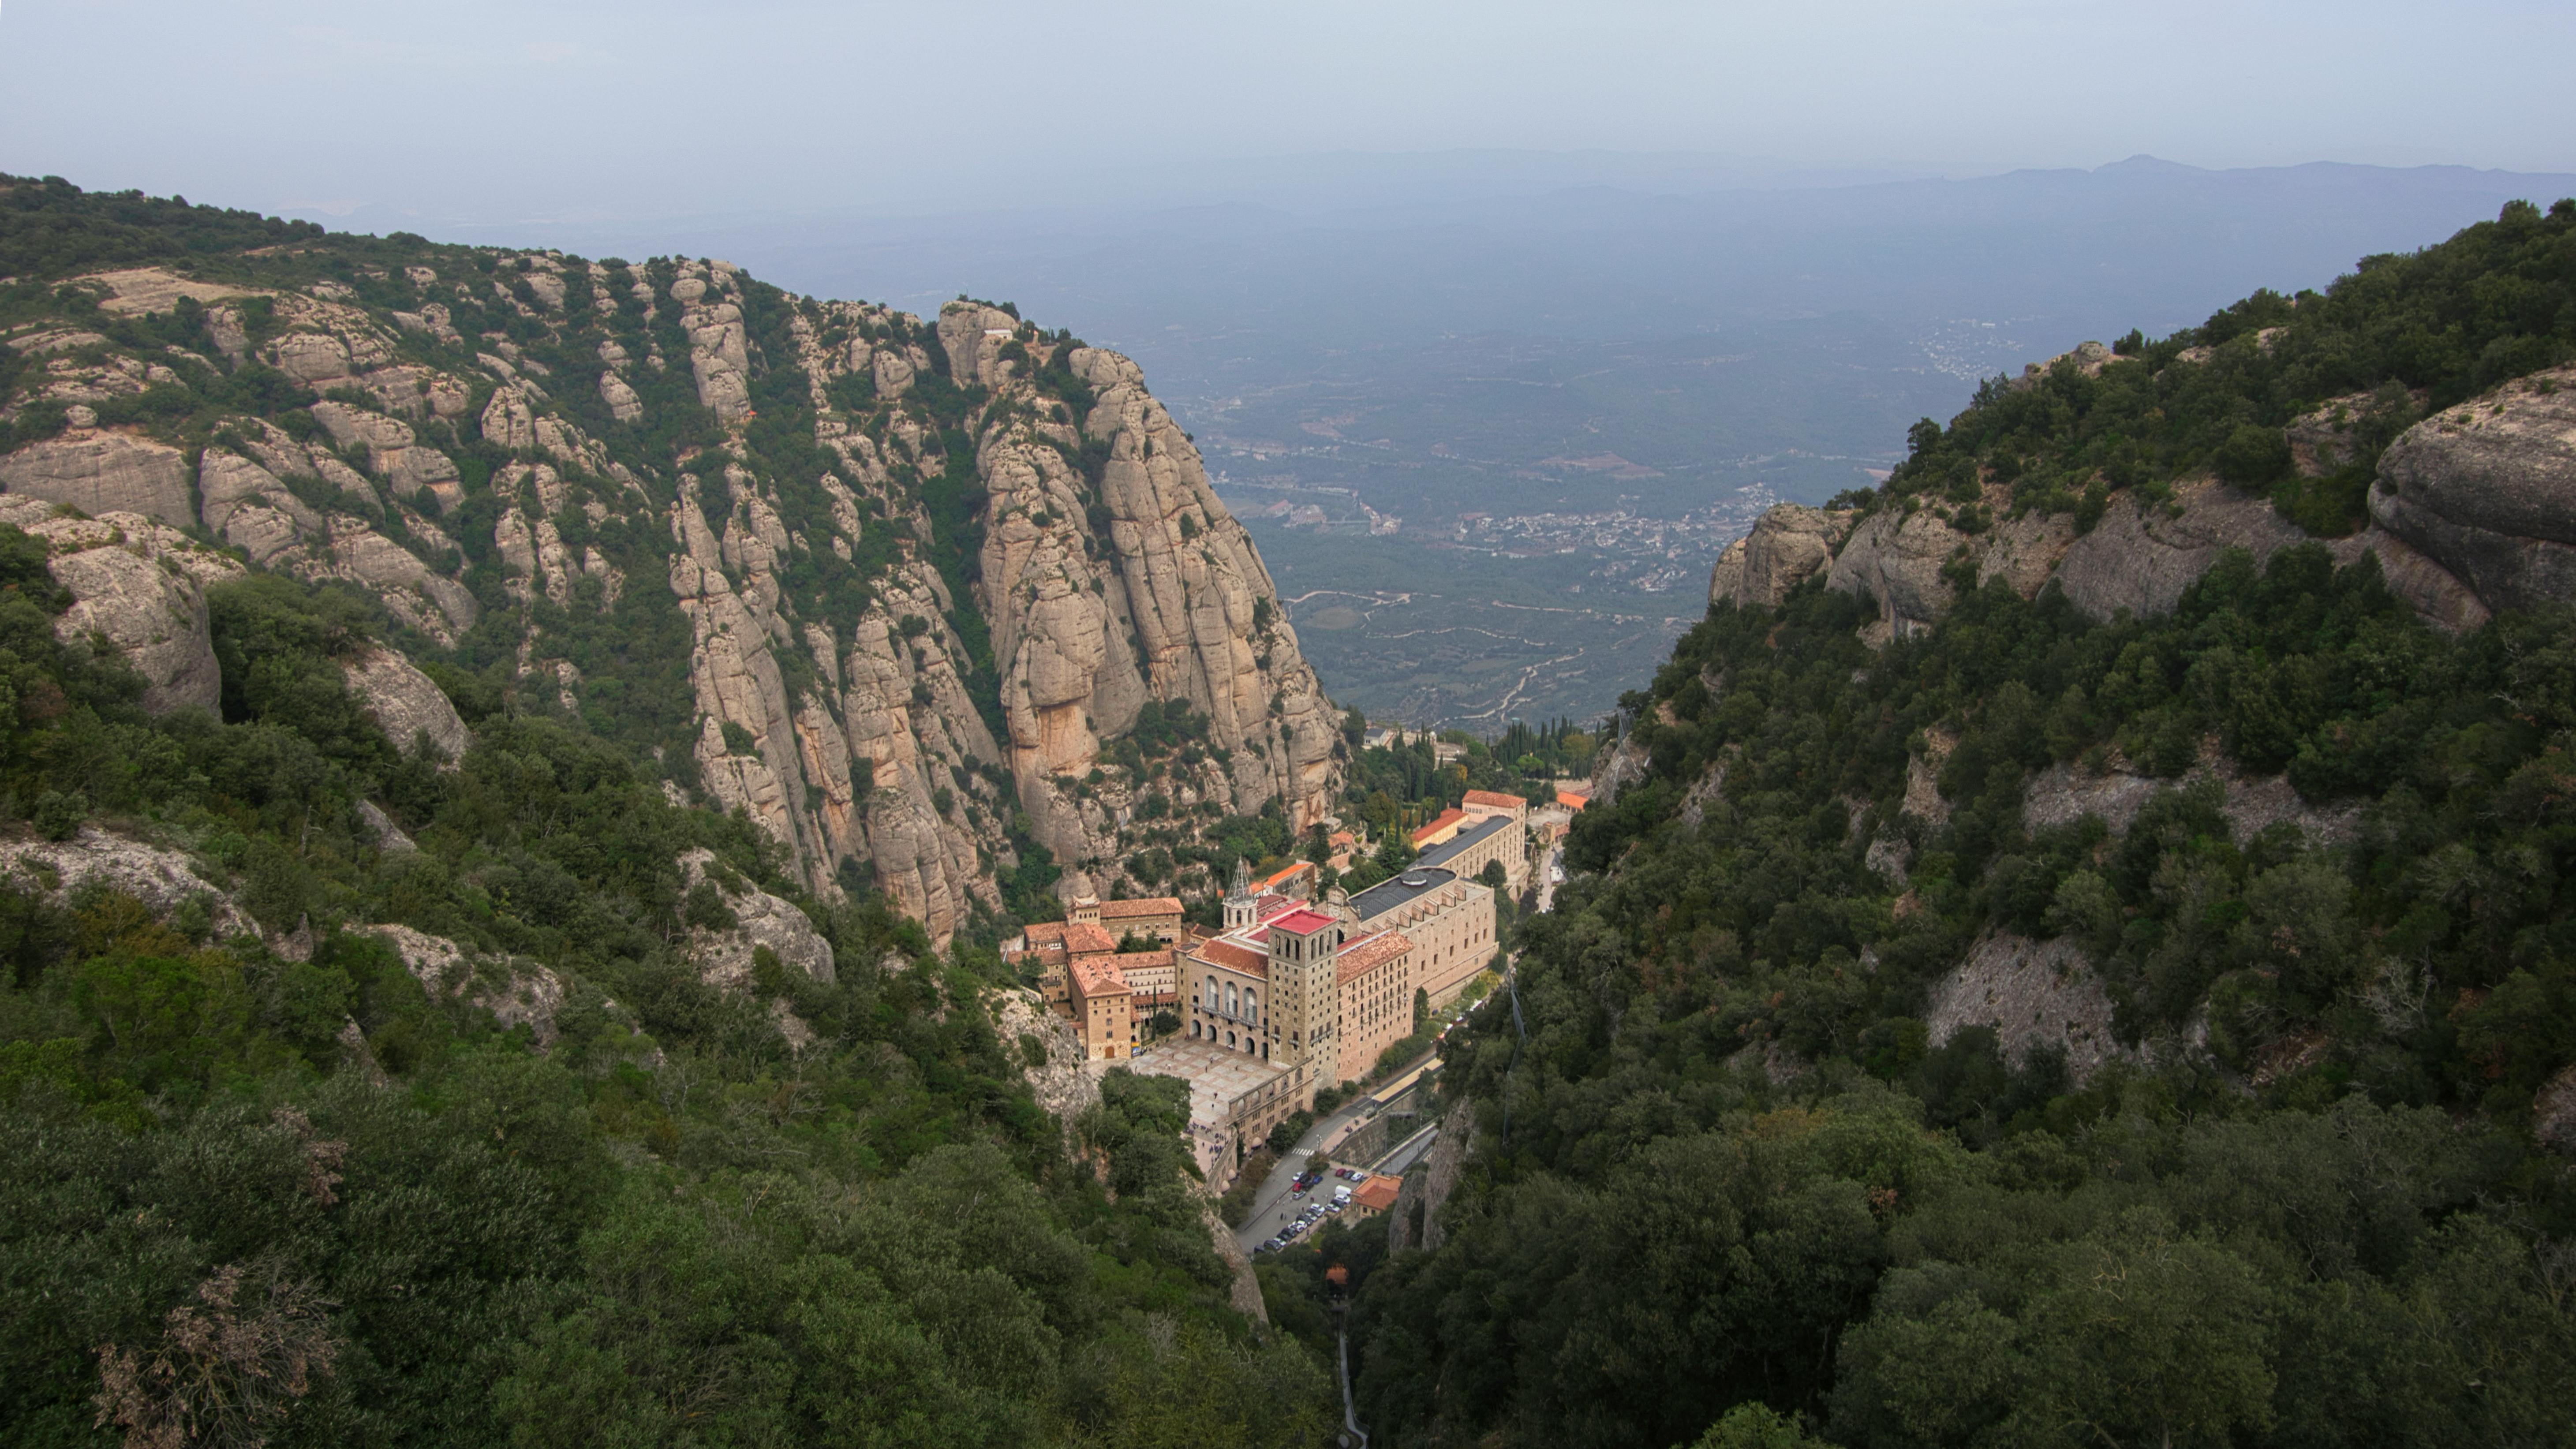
x=893 y=373
x=516 y=992
x=1897 y=559
x=409 y=706
x=2031 y=993
x=161 y=879
x=246 y=506
x=1789 y=544
x=2142 y=558
x=2437 y=593
x=1196 y=590
x=139 y=585
x=849 y=718
x=1059 y=1082
x=508 y=420
x=725 y=957
x=719 y=352
x=623 y=404
x=103 y=472
x=418 y=595
x=2088 y=358
x=973 y=336
x=2488 y=490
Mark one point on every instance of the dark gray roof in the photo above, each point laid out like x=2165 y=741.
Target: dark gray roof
x=1379 y=899
x=1467 y=835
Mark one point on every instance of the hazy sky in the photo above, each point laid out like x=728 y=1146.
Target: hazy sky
x=473 y=110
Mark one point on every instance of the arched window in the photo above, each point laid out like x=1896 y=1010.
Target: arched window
x=1230 y=1001
x=1252 y=1007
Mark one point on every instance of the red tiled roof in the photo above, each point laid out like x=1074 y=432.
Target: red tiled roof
x=1148 y=906
x=1235 y=958
x=1378 y=1193
x=1368 y=954
x=1098 y=978
x=1572 y=800
x=1273 y=904
x=1085 y=939
x=1495 y=797
x=1303 y=923
x=1445 y=819
x=1303 y=867
x=1046 y=934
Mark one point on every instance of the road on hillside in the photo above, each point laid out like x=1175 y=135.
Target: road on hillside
x=1276 y=1208
x=1547 y=879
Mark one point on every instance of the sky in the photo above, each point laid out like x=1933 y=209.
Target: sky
x=475 y=112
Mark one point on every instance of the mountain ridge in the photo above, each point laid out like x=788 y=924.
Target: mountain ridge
x=930 y=574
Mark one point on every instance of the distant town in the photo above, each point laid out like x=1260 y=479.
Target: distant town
x=1641 y=551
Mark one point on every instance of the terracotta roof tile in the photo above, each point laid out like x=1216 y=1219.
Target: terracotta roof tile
x=1098 y=978
x=1495 y=798
x=1378 y=1193
x=1303 y=867
x=1084 y=939
x=1235 y=958
x=1367 y=954
x=1441 y=822
x=1148 y=906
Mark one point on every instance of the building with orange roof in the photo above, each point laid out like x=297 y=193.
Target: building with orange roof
x=1495 y=802
x=1297 y=880
x=1104 y=1012
x=1150 y=973
x=1291 y=996
x=1373 y=1197
x=1156 y=916
x=1573 y=800
x=1440 y=828
x=1373 y=979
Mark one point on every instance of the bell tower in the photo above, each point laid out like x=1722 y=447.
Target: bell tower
x=1238 y=896
x=1305 y=947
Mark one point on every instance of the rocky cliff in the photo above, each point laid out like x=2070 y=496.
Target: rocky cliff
x=900 y=591
x=2471 y=510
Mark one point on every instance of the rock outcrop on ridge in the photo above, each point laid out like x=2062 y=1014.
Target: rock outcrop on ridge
x=897 y=591
x=2473 y=510
x=2488 y=490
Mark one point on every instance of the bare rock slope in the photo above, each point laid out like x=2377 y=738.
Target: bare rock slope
x=928 y=576
x=2473 y=510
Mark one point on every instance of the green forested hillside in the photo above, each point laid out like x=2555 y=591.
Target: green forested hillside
x=2401 y=337
x=1722 y=1173
x=669 y=1228
x=269 y=1184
